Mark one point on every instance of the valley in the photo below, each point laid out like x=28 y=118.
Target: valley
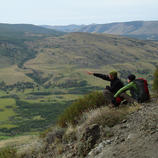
x=42 y=74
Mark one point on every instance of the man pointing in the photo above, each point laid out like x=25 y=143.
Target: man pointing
x=115 y=84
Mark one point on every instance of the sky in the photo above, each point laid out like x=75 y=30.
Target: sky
x=66 y=12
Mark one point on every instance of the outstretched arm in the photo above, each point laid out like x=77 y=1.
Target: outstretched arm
x=102 y=76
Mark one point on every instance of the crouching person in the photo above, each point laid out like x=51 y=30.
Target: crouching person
x=115 y=85
x=138 y=90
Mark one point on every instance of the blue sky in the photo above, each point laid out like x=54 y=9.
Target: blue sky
x=64 y=12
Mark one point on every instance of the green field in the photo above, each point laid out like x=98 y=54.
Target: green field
x=30 y=112
x=7 y=107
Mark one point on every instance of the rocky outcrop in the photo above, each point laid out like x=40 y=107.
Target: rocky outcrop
x=136 y=137
x=88 y=139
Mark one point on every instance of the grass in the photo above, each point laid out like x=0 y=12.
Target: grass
x=12 y=74
x=15 y=146
x=75 y=110
x=106 y=116
x=8 y=152
x=18 y=140
x=7 y=107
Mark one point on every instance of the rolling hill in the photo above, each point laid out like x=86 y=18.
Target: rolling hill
x=25 y=29
x=60 y=59
x=67 y=57
x=14 y=39
x=137 y=29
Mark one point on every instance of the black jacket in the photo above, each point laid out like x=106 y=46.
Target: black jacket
x=115 y=84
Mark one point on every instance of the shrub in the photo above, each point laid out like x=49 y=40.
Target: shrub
x=155 y=82
x=8 y=152
x=73 y=112
x=104 y=116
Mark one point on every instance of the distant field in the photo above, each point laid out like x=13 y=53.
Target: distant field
x=31 y=112
x=13 y=74
x=7 y=107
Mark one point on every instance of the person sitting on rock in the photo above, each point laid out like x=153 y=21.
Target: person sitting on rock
x=115 y=85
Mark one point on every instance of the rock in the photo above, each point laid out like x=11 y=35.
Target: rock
x=88 y=139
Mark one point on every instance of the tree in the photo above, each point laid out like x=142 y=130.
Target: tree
x=155 y=82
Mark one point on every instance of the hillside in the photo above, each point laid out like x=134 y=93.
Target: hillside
x=127 y=132
x=134 y=137
x=44 y=75
x=137 y=29
x=24 y=29
x=68 y=28
x=14 y=38
x=70 y=55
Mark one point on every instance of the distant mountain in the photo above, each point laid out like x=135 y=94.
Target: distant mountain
x=25 y=29
x=137 y=29
x=68 y=28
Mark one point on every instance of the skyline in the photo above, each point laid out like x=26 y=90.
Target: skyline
x=85 y=12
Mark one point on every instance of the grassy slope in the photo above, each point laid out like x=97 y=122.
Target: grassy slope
x=16 y=42
x=22 y=29
x=67 y=57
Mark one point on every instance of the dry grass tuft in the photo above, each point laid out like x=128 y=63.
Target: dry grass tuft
x=30 y=149
x=106 y=116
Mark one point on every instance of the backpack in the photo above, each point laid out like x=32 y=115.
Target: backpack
x=143 y=91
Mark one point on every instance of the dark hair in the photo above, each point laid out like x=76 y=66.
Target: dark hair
x=131 y=77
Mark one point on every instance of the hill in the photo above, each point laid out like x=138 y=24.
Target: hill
x=14 y=39
x=70 y=55
x=137 y=29
x=24 y=29
x=68 y=28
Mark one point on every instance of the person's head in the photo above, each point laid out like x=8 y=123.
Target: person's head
x=131 y=77
x=113 y=75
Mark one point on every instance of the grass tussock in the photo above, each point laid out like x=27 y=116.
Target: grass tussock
x=103 y=116
x=30 y=149
x=8 y=152
x=106 y=116
x=72 y=114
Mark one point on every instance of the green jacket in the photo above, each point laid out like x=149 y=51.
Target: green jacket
x=130 y=86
